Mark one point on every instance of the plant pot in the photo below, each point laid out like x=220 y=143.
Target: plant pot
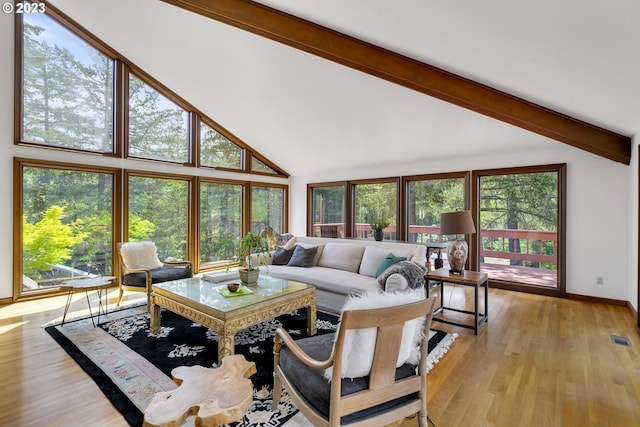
x=378 y=235
x=249 y=277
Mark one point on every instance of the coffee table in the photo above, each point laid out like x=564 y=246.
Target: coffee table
x=201 y=301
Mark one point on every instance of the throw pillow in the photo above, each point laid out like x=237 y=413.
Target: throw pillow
x=389 y=261
x=282 y=256
x=140 y=255
x=359 y=345
x=302 y=257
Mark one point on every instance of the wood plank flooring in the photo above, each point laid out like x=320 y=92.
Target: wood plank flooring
x=540 y=361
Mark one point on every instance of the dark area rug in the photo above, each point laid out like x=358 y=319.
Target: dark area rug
x=130 y=364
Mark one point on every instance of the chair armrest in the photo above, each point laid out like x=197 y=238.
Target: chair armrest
x=177 y=263
x=283 y=338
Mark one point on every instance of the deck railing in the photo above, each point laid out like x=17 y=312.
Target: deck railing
x=533 y=245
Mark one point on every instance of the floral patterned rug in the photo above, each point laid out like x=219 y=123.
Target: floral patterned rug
x=130 y=364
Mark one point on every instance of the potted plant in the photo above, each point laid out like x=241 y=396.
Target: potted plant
x=249 y=245
x=377 y=225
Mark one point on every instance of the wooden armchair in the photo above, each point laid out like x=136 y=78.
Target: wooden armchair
x=391 y=390
x=140 y=267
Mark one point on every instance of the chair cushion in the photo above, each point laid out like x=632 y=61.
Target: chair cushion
x=158 y=275
x=317 y=390
x=359 y=344
x=140 y=255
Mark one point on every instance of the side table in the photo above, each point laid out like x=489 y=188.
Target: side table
x=475 y=279
x=97 y=284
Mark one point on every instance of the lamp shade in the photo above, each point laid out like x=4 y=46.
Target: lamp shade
x=456 y=223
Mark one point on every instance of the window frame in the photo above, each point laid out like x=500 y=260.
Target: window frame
x=311 y=205
x=19 y=164
x=122 y=68
x=407 y=180
x=474 y=244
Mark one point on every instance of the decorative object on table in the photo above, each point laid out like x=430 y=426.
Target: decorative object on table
x=239 y=290
x=378 y=225
x=457 y=224
x=249 y=245
x=233 y=287
x=127 y=347
x=275 y=240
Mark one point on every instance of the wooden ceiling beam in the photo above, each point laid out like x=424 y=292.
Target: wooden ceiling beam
x=374 y=60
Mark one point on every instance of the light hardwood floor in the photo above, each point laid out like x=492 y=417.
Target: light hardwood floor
x=540 y=361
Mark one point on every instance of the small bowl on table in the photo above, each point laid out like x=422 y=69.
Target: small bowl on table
x=233 y=287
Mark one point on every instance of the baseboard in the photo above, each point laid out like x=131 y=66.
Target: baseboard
x=634 y=312
x=598 y=299
x=6 y=301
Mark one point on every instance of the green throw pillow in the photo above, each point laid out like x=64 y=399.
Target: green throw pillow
x=388 y=262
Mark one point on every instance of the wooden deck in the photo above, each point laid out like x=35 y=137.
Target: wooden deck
x=528 y=275
x=514 y=273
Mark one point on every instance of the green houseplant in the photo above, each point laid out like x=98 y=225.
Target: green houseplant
x=377 y=225
x=251 y=244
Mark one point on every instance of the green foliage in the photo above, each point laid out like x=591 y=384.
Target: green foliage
x=49 y=241
x=251 y=244
x=380 y=222
x=67 y=100
x=140 y=229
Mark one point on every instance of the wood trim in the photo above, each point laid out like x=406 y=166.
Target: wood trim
x=600 y=300
x=474 y=260
x=368 y=58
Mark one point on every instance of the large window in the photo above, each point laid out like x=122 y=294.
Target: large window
x=67 y=88
x=220 y=221
x=216 y=150
x=520 y=230
x=158 y=210
x=67 y=223
x=76 y=94
x=158 y=128
x=328 y=210
x=268 y=208
x=375 y=202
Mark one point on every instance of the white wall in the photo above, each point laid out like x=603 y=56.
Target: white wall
x=633 y=222
x=597 y=214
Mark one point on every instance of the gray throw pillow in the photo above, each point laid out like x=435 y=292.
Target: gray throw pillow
x=302 y=257
x=282 y=256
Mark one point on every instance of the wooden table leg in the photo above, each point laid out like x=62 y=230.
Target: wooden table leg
x=155 y=317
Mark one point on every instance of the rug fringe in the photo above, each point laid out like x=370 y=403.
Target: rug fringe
x=441 y=349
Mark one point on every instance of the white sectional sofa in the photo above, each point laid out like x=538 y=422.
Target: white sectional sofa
x=344 y=266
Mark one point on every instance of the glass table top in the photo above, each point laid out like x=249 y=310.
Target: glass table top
x=208 y=293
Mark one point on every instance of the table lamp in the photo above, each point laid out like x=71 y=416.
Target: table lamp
x=457 y=223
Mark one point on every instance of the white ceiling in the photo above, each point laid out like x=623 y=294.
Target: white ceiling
x=309 y=115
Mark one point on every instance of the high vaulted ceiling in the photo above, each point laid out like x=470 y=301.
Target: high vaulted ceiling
x=580 y=58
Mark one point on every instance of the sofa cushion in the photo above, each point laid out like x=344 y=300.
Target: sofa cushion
x=373 y=256
x=302 y=257
x=282 y=256
x=341 y=257
x=388 y=262
x=339 y=282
